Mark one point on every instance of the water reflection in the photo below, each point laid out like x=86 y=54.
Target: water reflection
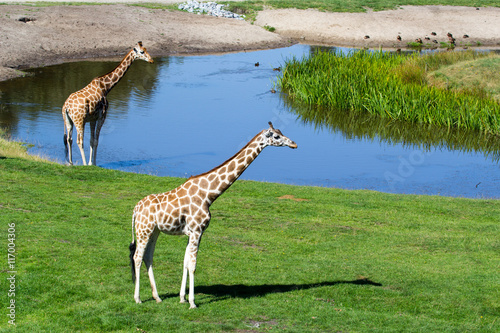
x=182 y=116
x=362 y=125
x=44 y=91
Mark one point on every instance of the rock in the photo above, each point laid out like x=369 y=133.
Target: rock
x=209 y=8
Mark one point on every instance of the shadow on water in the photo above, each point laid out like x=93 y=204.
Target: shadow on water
x=362 y=125
x=223 y=291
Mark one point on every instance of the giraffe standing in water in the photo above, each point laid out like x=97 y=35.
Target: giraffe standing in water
x=90 y=104
x=185 y=210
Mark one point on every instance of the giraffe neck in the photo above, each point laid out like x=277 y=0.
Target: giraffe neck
x=108 y=81
x=222 y=177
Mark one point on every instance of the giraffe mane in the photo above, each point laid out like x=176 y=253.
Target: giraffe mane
x=229 y=159
x=111 y=71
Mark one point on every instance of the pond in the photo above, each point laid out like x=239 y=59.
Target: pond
x=184 y=115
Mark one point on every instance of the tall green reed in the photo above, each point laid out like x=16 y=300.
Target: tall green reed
x=389 y=85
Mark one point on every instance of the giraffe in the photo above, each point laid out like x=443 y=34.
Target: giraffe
x=185 y=210
x=90 y=104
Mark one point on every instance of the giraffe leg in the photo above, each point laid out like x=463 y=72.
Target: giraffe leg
x=139 y=253
x=68 y=143
x=68 y=137
x=148 y=260
x=92 y=143
x=184 y=277
x=95 y=141
x=190 y=266
x=79 y=142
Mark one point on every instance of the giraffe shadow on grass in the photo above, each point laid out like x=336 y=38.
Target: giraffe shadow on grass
x=223 y=291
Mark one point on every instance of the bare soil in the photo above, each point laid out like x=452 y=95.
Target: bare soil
x=39 y=36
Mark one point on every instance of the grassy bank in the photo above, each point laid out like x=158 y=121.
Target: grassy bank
x=481 y=74
x=394 y=86
x=275 y=257
x=13 y=149
x=346 y=6
x=323 y=5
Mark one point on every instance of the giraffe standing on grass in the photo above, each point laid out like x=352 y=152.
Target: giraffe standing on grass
x=185 y=210
x=89 y=105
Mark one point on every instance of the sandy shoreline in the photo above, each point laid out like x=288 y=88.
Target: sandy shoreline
x=39 y=36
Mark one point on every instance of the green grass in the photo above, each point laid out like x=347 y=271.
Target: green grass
x=275 y=257
x=250 y=7
x=353 y=5
x=480 y=74
x=389 y=85
x=338 y=260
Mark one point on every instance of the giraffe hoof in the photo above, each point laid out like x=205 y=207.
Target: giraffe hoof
x=158 y=300
x=193 y=306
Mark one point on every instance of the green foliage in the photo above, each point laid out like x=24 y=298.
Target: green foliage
x=155 y=5
x=388 y=85
x=301 y=259
x=270 y=29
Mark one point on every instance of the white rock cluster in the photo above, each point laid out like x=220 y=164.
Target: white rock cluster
x=209 y=8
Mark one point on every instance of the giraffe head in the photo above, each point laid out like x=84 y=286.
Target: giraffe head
x=274 y=137
x=140 y=52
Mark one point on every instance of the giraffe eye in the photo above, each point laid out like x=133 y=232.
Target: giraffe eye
x=276 y=137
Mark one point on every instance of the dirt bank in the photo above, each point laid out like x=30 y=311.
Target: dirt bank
x=50 y=35
x=468 y=25
x=38 y=36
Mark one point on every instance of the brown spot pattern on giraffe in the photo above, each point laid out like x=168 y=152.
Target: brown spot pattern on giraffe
x=185 y=209
x=89 y=105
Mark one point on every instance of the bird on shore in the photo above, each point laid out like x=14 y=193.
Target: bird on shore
x=433 y=33
x=418 y=40
x=399 y=38
x=366 y=36
x=466 y=36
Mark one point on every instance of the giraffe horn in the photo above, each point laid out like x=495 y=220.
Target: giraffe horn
x=271 y=125
x=139 y=43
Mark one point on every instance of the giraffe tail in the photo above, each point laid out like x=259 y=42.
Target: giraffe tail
x=132 y=248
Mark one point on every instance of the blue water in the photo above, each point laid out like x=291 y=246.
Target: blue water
x=188 y=114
